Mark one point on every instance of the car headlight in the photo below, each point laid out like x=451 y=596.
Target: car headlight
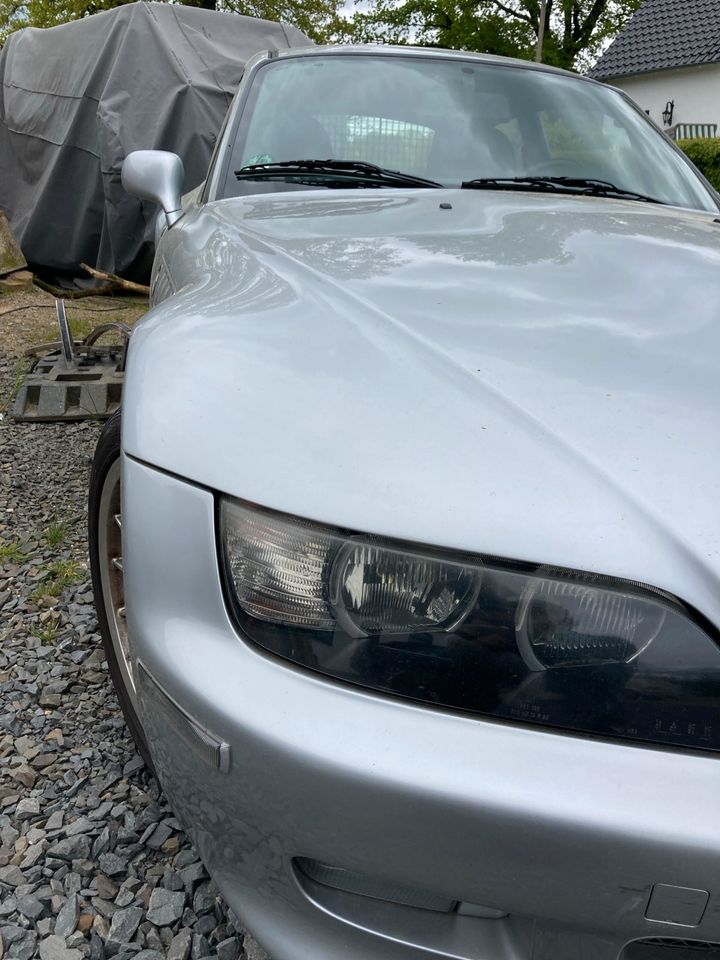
x=506 y=640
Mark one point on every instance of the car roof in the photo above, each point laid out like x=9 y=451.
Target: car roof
x=436 y=53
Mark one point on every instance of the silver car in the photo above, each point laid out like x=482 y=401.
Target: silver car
x=407 y=554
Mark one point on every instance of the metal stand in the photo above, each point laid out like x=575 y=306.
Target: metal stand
x=74 y=380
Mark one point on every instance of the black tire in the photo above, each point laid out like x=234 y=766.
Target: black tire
x=105 y=467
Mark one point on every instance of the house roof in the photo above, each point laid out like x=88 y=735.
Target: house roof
x=663 y=35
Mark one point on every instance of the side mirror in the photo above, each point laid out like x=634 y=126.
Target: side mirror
x=158 y=176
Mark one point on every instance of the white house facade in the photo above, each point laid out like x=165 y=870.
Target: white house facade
x=693 y=91
x=668 y=60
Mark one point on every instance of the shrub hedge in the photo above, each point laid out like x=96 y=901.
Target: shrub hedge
x=705 y=154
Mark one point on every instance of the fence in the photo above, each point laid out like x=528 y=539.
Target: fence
x=693 y=131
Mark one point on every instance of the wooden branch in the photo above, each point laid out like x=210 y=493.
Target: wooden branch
x=567 y=29
x=583 y=31
x=514 y=13
x=117 y=281
x=28 y=306
x=65 y=294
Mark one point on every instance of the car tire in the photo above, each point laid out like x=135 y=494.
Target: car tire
x=105 y=547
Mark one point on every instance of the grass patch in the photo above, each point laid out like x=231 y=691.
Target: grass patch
x=80 y=327
x=56 y=577
x=49 y=632
x=82 y=324
x=11 y=552
x=56 y=532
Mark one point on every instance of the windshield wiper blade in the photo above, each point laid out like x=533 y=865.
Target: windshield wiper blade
x=595 y=187
x=587 y=186
x=355 y=170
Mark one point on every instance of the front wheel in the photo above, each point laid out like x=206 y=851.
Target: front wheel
x=106 y=567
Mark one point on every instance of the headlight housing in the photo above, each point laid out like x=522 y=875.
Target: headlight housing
x=504 y=640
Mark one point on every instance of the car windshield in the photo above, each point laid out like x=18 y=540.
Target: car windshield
x=450 y=121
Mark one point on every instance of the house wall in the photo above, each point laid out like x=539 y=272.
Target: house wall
x=695 y=90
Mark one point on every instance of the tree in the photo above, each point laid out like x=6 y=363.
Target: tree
x=575 y=32
x=316 y=18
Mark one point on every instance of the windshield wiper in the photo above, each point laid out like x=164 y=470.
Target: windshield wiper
x=354 y=170
x=582 y=185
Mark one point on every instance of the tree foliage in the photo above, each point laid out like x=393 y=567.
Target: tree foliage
x=575 y=30
x=316 y=18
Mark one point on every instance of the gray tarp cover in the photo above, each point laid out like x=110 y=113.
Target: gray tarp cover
x=77 y=98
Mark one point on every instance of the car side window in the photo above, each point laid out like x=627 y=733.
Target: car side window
x=216 y=157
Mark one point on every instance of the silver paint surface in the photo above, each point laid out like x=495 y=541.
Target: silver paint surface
x=157 y=176
x=524 y=376
x=530 y=376
x=565 y=833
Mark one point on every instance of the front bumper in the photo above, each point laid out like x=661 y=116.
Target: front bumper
x=567 y=836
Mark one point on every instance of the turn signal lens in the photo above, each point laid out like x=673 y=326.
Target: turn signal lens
x=279 y=567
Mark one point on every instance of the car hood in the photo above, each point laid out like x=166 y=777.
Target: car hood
x=520 y=375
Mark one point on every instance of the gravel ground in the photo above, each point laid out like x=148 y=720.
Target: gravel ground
x=93 y=863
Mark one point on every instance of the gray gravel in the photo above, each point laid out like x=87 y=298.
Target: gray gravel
x=93 y=864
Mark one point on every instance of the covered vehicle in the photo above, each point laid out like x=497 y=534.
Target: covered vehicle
x=77 y=98
x=407 y=553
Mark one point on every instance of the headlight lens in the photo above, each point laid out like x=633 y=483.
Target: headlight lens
x=565 y=624
x=291 y=572
x=504 y=640
x=380 y=590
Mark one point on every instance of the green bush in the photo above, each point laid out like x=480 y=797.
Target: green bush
x=705 y=154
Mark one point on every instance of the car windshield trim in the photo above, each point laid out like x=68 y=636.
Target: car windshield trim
x=357 y=170
x=575 y=185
